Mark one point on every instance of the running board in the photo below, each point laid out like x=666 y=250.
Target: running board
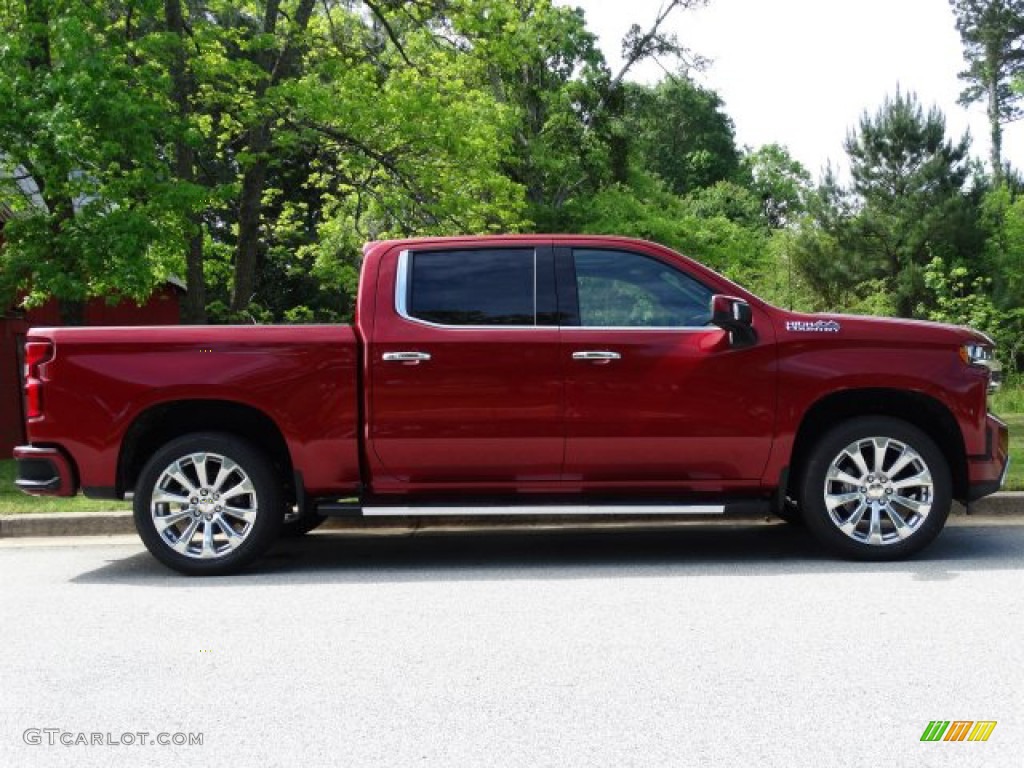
x=546 y=509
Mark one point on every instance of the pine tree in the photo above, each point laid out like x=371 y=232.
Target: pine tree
x=992 y=32
x=908 y=180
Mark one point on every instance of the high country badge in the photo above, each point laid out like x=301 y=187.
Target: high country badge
x=819 y=326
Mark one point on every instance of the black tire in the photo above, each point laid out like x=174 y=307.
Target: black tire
x=251 y=507
x=299 y=524
x=918 y=494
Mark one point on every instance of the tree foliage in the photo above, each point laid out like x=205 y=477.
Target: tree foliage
x=992 y=32
x=252 y=146
x=680 y=132
x=779 y=181
x=908 y=201
x=82 y=132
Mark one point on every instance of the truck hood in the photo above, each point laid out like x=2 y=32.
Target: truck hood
x=797 y=325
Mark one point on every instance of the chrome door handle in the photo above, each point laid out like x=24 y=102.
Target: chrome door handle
x=596 y=356
x=405 y=357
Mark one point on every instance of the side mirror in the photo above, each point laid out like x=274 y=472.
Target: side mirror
x=734 y=315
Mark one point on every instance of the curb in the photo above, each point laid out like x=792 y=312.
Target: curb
x=1001 y=505
x=66 y=524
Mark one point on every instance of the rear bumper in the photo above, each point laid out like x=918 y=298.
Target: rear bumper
x=987 y=473
x=44 y=471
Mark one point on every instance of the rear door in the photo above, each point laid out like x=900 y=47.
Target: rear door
x=467 y=387
x=653 y=392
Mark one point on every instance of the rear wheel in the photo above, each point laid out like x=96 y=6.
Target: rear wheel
x=876 y=488
x=208 y=504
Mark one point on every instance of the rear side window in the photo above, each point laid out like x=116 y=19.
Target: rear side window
x=473 y=287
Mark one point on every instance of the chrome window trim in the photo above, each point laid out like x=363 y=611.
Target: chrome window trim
x=535 y=286
x=402 y=302
x=402 y=308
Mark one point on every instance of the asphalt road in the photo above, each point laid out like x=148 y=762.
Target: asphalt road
x=711 y=646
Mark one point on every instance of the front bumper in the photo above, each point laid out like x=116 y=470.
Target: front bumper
x=44 y=471
x=987 y=473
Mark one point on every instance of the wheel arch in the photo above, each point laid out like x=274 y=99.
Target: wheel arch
x=161 y=423
x=923 y=411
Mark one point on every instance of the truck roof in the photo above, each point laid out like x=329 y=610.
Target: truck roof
x=499 y=238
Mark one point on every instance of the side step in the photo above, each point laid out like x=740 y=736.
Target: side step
x=546 y=509
x=492 y=509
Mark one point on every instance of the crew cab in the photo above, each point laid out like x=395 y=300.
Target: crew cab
x=518 y=375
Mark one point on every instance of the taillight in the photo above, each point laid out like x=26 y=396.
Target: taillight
x=36 y=353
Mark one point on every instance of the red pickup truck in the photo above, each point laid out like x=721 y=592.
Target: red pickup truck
x=539 y=375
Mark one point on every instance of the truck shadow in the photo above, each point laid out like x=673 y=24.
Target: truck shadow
x=756 y=550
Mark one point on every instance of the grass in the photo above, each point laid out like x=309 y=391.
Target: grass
x=14 y=502
x=1009 y=404
x=1015 y=477
x=1010 y=398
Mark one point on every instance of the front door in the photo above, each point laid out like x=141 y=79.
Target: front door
x=654 y=393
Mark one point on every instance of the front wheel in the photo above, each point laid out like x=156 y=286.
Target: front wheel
x=208 y=504
x=876 y=488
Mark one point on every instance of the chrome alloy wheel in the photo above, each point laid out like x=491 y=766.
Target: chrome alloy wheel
x=878 y=491
x=203 y=505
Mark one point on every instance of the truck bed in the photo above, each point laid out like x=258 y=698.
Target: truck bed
x=104 y=385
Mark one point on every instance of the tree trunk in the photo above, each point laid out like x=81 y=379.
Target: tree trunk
x=996 y=153
x=995 y=127
x=194 y=306
x=250 y=209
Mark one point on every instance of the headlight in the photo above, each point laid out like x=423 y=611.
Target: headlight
x=983 y=356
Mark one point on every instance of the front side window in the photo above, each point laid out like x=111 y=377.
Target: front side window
x=473 y=287
x=627 y=290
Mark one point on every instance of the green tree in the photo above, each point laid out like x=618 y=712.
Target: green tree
x=779 y=181
x=545 y=69
x=253 y=145
x=909 y=201
x=825 y=250
x=1003 y=220
x=992 y=33
x=82 y=124
x=965 y=299
x=679 y=131
x=698 y=227
x=183 y=95
x=274 y=52
x=383 y=135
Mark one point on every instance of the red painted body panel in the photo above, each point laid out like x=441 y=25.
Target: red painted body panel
x=872 y=353
x=499 y=410
x=504 y=409
x=481 y=411
x=161 y=309
x=102 y=379
x=672 y=409
x=484 y=413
